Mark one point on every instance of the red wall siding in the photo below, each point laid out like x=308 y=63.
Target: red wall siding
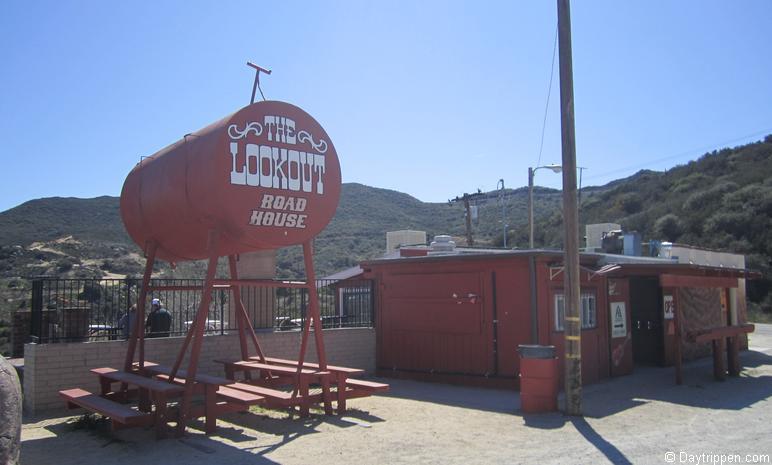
x=427 y=321
x=436 y=321
x=513 y=298
x=595 y=354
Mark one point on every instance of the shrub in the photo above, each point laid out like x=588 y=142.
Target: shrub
x=700 y=200
x=630 y=203
x=64 y=265
x=668 y=227
x=733 y=223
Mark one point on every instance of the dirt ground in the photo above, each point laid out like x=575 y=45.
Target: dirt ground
x=632 y=419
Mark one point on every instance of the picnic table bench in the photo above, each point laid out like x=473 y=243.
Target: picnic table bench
x=343 y=374
x=273 y=375
x=151 y=393
x=120 y=415
x=220 y=394
x=347 y=387
x=277 y=370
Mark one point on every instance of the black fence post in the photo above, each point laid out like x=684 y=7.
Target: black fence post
x=303 y=293
x=222 y=312
x=36 y=313
x=372 y=303
x=128 y=296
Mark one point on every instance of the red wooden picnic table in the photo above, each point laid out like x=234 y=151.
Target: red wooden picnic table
x=220 y=396
x=275 y=371
x=152 y=393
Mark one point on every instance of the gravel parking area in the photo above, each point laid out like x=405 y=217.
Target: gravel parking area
x=634 y=419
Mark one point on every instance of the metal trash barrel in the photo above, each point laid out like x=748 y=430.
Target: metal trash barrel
x=538 y=378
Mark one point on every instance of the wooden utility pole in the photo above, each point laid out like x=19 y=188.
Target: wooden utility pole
x=572 y=324
x=467 y=208
x=469 y=237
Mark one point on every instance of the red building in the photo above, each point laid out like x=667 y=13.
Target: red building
x=460 y=316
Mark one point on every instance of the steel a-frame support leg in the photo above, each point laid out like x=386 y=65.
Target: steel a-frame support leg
x=137 y=333
x=308 y=258
x=196 y=335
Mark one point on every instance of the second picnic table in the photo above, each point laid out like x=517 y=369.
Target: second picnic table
x=277 y=371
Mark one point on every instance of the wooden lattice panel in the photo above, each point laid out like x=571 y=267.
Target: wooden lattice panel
x=701 y=309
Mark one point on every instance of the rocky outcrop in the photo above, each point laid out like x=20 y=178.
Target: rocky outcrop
x=10 y=414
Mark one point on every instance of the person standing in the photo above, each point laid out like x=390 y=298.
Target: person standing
x=159 y=321
x=127 y=321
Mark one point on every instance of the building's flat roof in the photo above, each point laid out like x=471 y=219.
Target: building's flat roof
x=632 y=268
x=607 y=258
x=473 y=254
x=345 y=274
x=626 y=263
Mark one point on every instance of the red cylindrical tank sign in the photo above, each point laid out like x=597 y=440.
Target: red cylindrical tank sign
x=264 y=177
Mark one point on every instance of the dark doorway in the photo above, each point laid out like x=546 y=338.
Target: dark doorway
x=645 y=302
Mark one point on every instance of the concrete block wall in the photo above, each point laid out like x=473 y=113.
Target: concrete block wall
x=49 y=368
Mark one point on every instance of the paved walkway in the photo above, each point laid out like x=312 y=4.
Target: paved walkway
x=633 y=419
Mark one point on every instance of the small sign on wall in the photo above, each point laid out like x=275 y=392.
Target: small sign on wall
x=612 y=287
x=668 y=306
x=618 y=320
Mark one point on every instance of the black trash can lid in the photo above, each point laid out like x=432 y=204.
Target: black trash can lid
x=536 y=351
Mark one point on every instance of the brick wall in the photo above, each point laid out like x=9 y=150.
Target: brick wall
x=22 y=324
x=20 y=327
x=49 y=368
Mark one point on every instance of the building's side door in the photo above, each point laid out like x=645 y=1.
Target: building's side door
x=435 y=323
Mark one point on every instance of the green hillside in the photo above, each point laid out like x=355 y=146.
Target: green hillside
x=46 y=236
x=722 y=201
x=51 y=218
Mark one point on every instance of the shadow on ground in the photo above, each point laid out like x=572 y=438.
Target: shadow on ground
x=646 y=384
x=289 y=427
x=611 y=396
x=265 y=433
x=136 y=445
x=699 y=388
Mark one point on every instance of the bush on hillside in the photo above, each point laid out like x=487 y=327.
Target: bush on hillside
x=668 y=227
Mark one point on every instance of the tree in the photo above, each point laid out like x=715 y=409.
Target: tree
x=668 y=227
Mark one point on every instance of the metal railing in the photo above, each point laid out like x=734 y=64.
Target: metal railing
x=70 y=310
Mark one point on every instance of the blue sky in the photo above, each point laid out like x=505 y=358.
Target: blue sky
x=431 y=98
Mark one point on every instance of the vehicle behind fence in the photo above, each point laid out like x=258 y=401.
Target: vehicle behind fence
x=69 y=310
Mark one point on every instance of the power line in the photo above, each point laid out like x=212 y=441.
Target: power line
x=549 y=92
x=651 y=163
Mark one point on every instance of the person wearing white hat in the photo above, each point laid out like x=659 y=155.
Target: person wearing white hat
x=159 y=321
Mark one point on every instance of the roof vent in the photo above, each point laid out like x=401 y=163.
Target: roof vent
x=442 y=243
